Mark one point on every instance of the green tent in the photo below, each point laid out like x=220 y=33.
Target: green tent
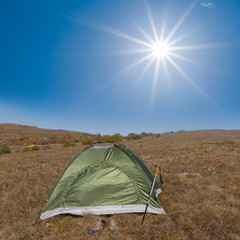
x=103 y=180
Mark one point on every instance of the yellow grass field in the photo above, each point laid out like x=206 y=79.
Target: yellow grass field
x=201 y=190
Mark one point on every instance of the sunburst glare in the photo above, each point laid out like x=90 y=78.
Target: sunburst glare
x=160 y=50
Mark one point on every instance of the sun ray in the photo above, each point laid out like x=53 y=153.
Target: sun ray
x=130 y=52
x=145 y=69
x=184 y=58
x=200 y=46
x=155 y=80
x=151 y=22
x=199 y=64
x=162 y=33
x=108 y=29
x=134 y=64
x=175 y=40
x=128 y=37
x=180 y=22
x=192 y=82
x=167 y=72
x=143 y=32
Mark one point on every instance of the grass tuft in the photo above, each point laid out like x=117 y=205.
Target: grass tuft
x=26 y=149
x=69 y=144
x=4 y=149
x=35 y=148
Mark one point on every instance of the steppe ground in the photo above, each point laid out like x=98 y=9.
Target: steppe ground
x=201 y=190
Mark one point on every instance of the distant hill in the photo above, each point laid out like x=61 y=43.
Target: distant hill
x=202 y=135
x=9 y=130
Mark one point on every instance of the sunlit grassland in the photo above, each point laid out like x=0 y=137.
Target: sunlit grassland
x=201 y=190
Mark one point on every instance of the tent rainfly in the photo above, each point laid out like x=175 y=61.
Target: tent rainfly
x=103 y=180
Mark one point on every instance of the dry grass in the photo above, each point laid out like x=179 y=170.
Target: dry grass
x=11 y=131
x=201 y=190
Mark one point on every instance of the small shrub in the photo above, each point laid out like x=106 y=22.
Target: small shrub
x=133 y=136
x=17 y=151
x=98 y=137
x=144 y=134
x=46 y=147
x=68 y=144
x=76 y=139
x=4 y=149
x=26 y=149
x=106 y=138
x=87 y=141
x=114 y=138
x=43 y=141
x=53 y=139
x=185 y=227
x=12 y=141
x=117 y=137
x=26 y=140
x=35 y=148
x=34 y=140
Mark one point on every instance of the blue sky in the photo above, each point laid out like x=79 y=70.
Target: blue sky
x=74 y=65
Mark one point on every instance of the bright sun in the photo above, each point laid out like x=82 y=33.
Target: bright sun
x=160 y=50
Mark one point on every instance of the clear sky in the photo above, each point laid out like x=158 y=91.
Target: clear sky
x=124 y=66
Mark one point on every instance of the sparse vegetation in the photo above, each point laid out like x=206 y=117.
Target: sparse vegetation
x=26 y=149
x=147 y=134
x=114 y=138
x=15 y=134
x=46 y=147
x=201 y=190
x=133 y=136
x=87 y=141
x=4 y=149
x=106 y=138
x=29 y=140
x=53 y=139
x=35 y=148
x=69 y=144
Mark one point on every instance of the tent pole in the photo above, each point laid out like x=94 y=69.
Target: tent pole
x=148 y=201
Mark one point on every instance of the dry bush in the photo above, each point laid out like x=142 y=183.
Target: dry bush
x=133 y=136
x=105 y=138
x=87 y=141
x=113 y=138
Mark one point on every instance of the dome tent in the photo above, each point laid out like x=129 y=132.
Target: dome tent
x=103 y=180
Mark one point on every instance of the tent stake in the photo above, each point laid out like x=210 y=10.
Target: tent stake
x=148 y=201
x=37 y=218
